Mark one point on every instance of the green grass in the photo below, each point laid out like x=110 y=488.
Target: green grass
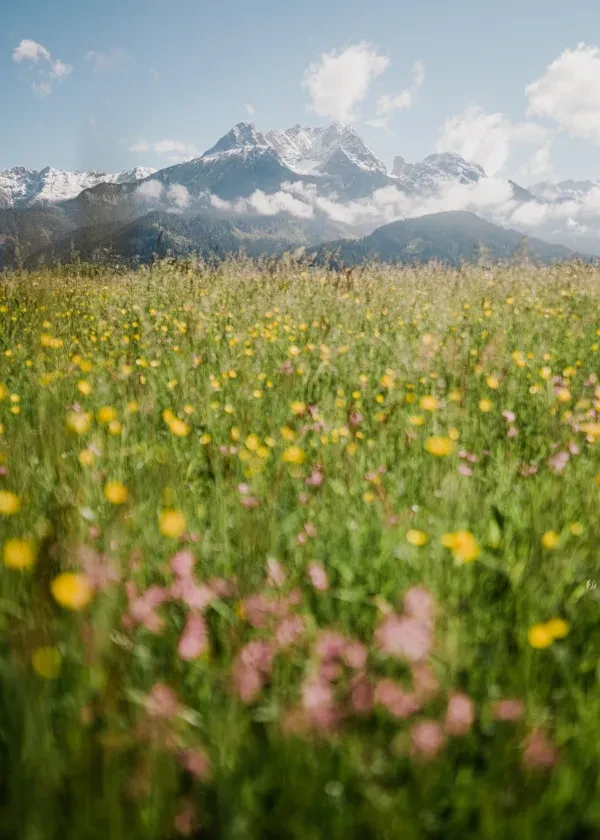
x=230 y=351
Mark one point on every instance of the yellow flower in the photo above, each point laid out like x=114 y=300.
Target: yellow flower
x=171 y=523
x=47 y=662
x=116 y=493
x=252 y=442
x=577 y=529
x=429 y=403
x=84 y=387
x=540 y=636
x=177 y=426
x=485 y=405
x=550 y=540
x=493 y=382
x=439 y=446
x=18 y=554
x=387 y=381
x=114 y=427
x=415 y=537
x=79 y=422
x=106 y=414
x=298 y=407
x=557 y=628
x=71 y=590
x=9 y=503
x=563 y=395
x=294 y=455
x=463 y=545
x=86 y=457
x=416 y=419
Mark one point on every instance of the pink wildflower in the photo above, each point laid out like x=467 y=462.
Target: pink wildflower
x=392 y=697
x=196 y=762
x=194 y=640
x=289 y=630
x=162 y=702
x=318 y=577
x=404 y=637
x=275 y=572
x=182 y=563
x=425 y=682
x=427 y=738
x=459 y=715
x=508 y=709
x=539 y=752
x=419 y=604
x=361 y=694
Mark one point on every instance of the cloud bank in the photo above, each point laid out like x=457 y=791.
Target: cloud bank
x=48 y=70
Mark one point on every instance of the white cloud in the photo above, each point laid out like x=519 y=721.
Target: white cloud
x=57 y=70
x=150 y=191
x=140 y=146
x=250 y=110
x=178 y=195
x=489 y=139
x=174 y=151
x=568 y=92
x=386 y=104
x=109 y=63
x=30 y=51
x=337 y=84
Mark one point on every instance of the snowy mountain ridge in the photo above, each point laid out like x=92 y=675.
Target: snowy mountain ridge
x=21 y=187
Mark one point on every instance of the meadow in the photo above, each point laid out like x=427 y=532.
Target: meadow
x=290 y=553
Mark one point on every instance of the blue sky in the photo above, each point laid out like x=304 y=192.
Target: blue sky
x=151 y=81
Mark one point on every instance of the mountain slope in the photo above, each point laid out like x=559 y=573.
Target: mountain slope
x=451 y=237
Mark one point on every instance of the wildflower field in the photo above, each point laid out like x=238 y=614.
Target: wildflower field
x=289 y=553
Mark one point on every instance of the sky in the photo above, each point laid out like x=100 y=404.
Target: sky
x=109 y=84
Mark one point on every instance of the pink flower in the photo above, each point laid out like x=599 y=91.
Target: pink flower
x=539 y=752
x=197 y=596
x=98 y=569
x=509 y=416
x=248 y=682
x=185 y=821
x=310 y=530
x=223 y=588
x=361 y=695
x=196 y=762
x=258 y=609
x=427 y=738
x=182 y=563
x=289 y=630
x=392 y=697
x=318 y=577
x=316 y=694
x=419 y=604
x=249 y=502
x=355 y=655
x=404 y=637
x=464 y=470
x=275 y=572
x=512 y=432
x=194 y=640
x=330 y=645
x=508 y=709
x=425 y=683
x=558 y=462
x=459 y=715
x=162 y=702
x=315 y=479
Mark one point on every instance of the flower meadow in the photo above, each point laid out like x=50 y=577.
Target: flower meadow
x=291 y=553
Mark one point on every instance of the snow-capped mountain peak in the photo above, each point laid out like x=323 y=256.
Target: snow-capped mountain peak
x=20 y=187
x=242 y=136
x=427 y=175
x=315 y=150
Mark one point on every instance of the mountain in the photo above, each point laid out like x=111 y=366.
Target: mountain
x=21 y=187
x=426 y=176
x=451 y=237
x=176 y=235
x=563 y=190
